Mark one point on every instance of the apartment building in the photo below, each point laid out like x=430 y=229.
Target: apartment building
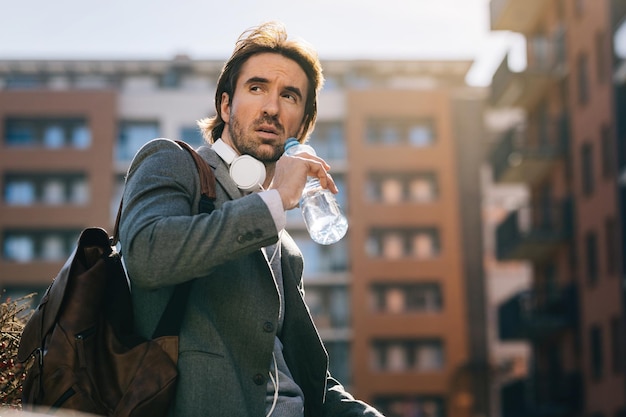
x=565 y=153
x=398 y=302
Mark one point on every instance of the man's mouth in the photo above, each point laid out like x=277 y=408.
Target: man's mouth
x=268 y=129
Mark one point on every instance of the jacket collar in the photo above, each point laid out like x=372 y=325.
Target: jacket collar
x=221 y=172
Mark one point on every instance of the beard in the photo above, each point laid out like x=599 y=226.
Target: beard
x=246 y=144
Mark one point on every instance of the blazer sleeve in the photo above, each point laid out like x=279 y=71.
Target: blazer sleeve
x=164 y=240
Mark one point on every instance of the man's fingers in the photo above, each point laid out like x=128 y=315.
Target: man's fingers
x=317 y=169
x=315 y=158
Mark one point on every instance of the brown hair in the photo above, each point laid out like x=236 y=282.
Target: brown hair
x=267 y=37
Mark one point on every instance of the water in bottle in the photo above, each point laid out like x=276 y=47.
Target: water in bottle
x=322 y=214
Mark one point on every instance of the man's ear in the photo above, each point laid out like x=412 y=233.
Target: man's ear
x=225 y=107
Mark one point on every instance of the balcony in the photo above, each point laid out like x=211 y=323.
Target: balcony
x=547 y=63
x=527 y=155
x=543 y=395
x=537 y=315
x=515 y=15
x=534 y=234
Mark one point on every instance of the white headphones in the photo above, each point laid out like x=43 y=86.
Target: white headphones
x=246 y=171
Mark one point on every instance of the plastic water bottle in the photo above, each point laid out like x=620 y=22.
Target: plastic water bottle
x=322 y=214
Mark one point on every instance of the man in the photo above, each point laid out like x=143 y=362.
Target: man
x=248 y=346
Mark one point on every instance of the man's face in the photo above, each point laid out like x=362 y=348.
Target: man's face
x=267 y=107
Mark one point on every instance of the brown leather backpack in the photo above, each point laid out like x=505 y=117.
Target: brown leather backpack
x=87 y=356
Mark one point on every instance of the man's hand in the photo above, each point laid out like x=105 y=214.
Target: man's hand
x=290 y=175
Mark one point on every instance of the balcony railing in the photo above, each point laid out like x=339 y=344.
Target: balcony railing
x=515 y=15
x=546 y=64
x=535 y=315
x=543 y=395
x=534 y=235
x=525 y=155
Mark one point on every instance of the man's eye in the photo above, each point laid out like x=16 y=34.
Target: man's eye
x=290 y=97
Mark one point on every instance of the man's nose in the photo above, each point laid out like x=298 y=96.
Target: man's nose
x=271 y=104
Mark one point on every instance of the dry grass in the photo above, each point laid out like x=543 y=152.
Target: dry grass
x=13 y=316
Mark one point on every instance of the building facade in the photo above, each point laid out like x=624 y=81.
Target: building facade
x=565 y=152
x=399 y=302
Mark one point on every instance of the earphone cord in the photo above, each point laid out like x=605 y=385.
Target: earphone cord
x=280 y=236
x=276 y=383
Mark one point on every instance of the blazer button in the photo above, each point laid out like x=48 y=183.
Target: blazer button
x=249 y=236
x=268 y=326
x=241 y=239
x=258 y=233
x=259 y=379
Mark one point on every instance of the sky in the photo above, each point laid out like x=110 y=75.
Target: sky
x=338 y=29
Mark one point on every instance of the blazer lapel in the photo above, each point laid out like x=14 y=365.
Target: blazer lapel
x=221 y=172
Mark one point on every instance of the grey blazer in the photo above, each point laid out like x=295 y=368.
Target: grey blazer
x=230 y=322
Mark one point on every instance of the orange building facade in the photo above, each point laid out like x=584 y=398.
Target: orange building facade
x=399 y=302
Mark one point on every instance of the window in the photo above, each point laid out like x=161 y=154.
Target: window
x=395 y=188
x=92 y=81
x=586 y=159
x=540 y=52
x=79 y=191
x=583 y=79
x=329 y=305
x=172 y=77
x=421 y=243
x=597 y=358
x=611 y=239
x=406 y=298
x=617 y=346
x=139 y=83
x=118 y=191
x=24 y=81
x=357 y=81
x=339 y=360
x=591 y=252
x=19 y=192
x=132 y=136
x=19 y=248
x=192 y=135
x=56 y=188
x=423 y=189
x=53 y=136
x=391 y=190
x=50 y=133
x=407 y=355
x=390 y=135
x=81 y=137
x=602 y=58
x=393 y=245
x=53 y=192
x=53 y=248
x=410 y=406
x=420 y=135
x=416 y=133
x=321 y=259
x=579 y=7
x=608 y=152
x=342 y=195
x=27 y=245
x=559 y=46
x=328 y=139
